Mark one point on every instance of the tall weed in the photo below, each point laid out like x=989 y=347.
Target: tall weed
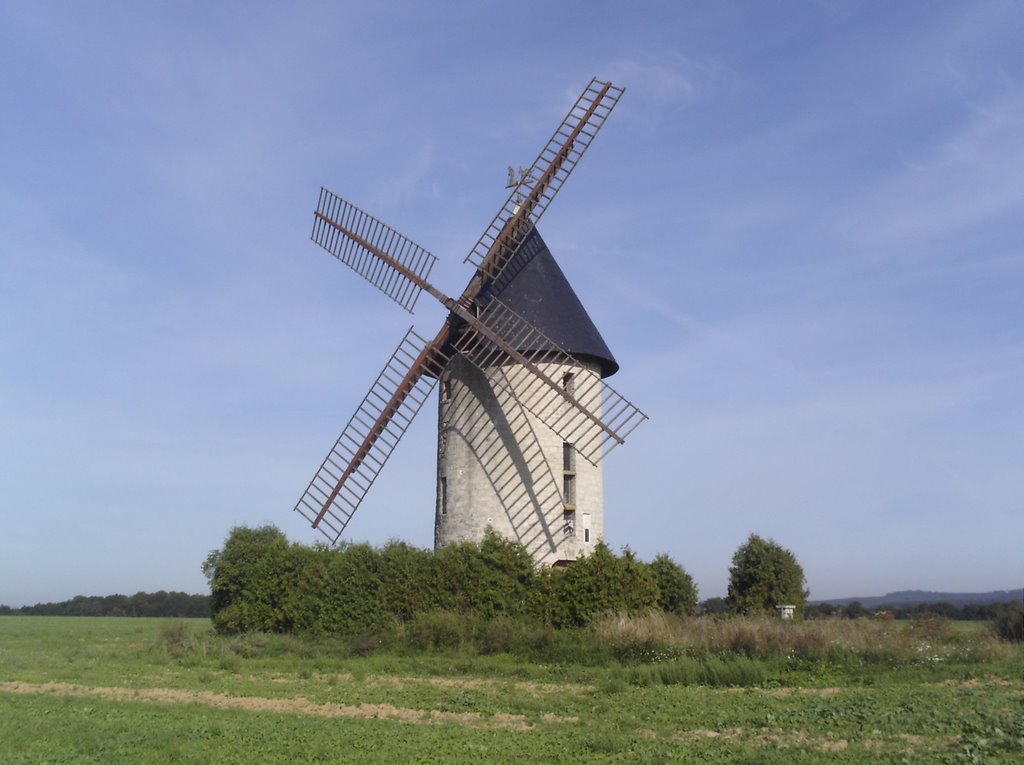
x=1009 y=625
x=177 y=640
x=715 y=671
x=656 y=637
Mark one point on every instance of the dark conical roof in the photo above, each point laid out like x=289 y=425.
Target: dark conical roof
x=534 y=287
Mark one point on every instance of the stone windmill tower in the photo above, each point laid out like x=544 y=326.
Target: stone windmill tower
x=524 y=415
x=499 y=465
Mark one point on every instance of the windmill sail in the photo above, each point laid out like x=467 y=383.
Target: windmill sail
x=589 y=414
x=528 y=201
x=522 y=361
x=357 y=239
x=370 y=436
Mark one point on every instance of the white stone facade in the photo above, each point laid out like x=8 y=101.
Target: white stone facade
x=499 y=466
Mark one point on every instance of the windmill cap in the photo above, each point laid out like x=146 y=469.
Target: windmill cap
x=534 y=286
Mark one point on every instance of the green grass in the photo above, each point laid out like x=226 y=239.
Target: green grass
x=152 y=690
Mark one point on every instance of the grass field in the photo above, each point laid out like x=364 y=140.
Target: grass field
x=106 y=690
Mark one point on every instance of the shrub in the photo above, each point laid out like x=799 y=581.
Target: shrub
x=440 y=630
x=407 y=582
x=931 y=627
x=1009 y=625
x=176 y=639
x=352 y=590
x=494 y=577
x=598 y=584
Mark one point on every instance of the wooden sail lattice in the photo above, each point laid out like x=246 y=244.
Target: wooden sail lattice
x=352 y=235
x=530 y=198
x=370 y=436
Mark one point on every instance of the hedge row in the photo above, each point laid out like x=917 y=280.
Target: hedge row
x=262 y=582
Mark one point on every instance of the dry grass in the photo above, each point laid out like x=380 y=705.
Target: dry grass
x=260 y=704
x=930 y=638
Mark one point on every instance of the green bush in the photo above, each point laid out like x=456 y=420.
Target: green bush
x=352 y=588
x=492 y=578
x=601 y=583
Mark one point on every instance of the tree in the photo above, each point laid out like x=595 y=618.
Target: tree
x=764 y=575
x=677 y=594
x=250 y=580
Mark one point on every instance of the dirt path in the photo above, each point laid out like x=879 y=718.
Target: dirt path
x=299 y=705
x=534 y=689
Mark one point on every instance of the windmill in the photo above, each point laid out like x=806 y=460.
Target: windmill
x=520 y=366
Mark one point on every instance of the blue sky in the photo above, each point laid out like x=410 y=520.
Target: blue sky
x=801 y=232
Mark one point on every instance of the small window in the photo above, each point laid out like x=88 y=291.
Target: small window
x=569 y=383
x=568 y=475
x=569 y=523
x=586 y=527
x=446 y=390
x=444 y=495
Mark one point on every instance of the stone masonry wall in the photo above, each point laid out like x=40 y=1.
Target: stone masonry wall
x=499 y=466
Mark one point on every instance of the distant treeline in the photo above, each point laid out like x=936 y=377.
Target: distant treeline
x=965 y=612
x=905 y=598
x=174 y=604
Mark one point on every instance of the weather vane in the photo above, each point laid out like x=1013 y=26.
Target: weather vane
x=516 y=179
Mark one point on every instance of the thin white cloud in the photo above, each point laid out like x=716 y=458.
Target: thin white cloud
x=662 y=79
x=971 y=179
